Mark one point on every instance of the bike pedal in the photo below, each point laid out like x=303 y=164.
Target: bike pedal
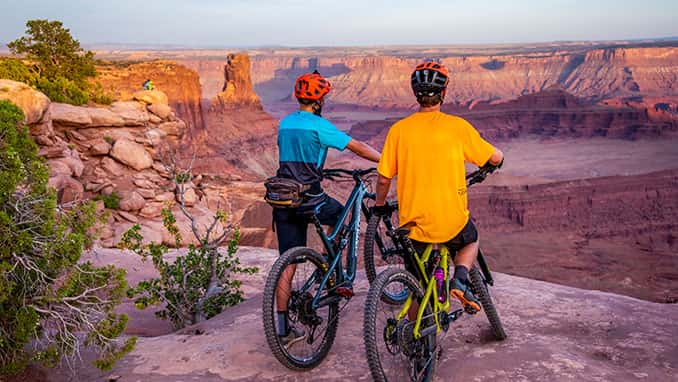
x=469 y=310
x=344 y=292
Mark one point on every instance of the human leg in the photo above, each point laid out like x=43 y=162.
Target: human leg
x=291 y=232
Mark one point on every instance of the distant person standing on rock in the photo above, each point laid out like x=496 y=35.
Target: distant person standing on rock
x=148 y=85
x=427 y=151
x=304 y=137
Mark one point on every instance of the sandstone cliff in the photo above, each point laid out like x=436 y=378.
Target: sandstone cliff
x=549 y=113
x=609 y=233
x=383 y=80
x=181 y=85
x=116 y=150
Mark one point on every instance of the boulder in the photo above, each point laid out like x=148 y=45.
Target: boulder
x=128 y=216
x=70 y=115
x=146 y=193
x=132 y=154
x=33 y=103
x=155 y=136
x=144 y=183
x=152 y=210
x=75 y=164
x=111 y=167
x=133 y=113
x=164 y=197
x=173 y=128
x=105 y=117
x=68 y=189
x=100 y=147
x=154 y=119
x=58 y=167
x=162 y=110
x=190 y=197
x=132 y=201
x=151 y=97
x=57 y=151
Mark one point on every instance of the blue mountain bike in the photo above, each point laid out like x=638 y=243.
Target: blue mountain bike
x=319 y=282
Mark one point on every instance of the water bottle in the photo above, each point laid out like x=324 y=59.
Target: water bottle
x=440 y=283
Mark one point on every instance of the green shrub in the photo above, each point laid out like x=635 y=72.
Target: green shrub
x=13 y=69
x=99 y=95
x=51 y=304
x=184 y=285
x=109 y=139
x=63 y=90
x=111 y=201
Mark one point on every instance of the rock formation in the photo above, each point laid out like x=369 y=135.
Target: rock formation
x=549 y=113
x=239 y=138
x=118 y=152
x=180 y=84
x=237 y=90
x=382 y=78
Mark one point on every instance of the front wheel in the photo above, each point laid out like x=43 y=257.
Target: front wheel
x=480 y=290
x=393 y=354
x=305 y=269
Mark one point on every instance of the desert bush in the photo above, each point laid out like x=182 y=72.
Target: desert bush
x=186 y=285
x=99 y=95
x=51 y=304
x=14 y=69
x=111 y=201
x=203 y=282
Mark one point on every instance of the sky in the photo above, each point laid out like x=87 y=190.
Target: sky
x=254 y=23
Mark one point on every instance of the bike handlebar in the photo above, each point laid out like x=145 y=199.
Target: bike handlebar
x=339 y=172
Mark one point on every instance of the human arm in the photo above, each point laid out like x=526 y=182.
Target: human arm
x=364 y=150
x=383 y=186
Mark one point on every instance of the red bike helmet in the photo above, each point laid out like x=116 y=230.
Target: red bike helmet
x=429 y=78
x=311 y=86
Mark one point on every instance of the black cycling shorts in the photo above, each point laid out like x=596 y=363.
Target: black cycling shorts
x=468 y=235
x=291 y=225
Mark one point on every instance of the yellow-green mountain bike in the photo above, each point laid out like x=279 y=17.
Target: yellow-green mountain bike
x=399 y=346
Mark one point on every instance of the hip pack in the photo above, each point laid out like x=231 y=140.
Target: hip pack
x=284 y=192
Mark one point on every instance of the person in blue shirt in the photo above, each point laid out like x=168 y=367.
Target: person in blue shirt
x=304 y=138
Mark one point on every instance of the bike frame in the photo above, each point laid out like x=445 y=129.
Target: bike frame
x=431 y=290
x=354 y=206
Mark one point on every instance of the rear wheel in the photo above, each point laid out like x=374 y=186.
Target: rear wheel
x=379 y=249
x=393 y=354
x=483 y=294
x=319 y=325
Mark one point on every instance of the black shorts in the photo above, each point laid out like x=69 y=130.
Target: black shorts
x=468 y=235
x=291 y=225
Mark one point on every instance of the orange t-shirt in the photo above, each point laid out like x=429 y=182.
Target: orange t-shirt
x=427 y=151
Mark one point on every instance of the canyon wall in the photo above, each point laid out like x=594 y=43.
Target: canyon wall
x=599 y=207
x=383 y=81
x=547 y=114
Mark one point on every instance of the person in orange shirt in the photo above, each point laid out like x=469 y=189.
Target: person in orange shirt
x=427 y=151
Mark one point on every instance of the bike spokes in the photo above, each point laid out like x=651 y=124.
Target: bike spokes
x=394 y=351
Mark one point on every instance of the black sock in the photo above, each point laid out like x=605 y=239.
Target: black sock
x=283 y=325
x=461 y=273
